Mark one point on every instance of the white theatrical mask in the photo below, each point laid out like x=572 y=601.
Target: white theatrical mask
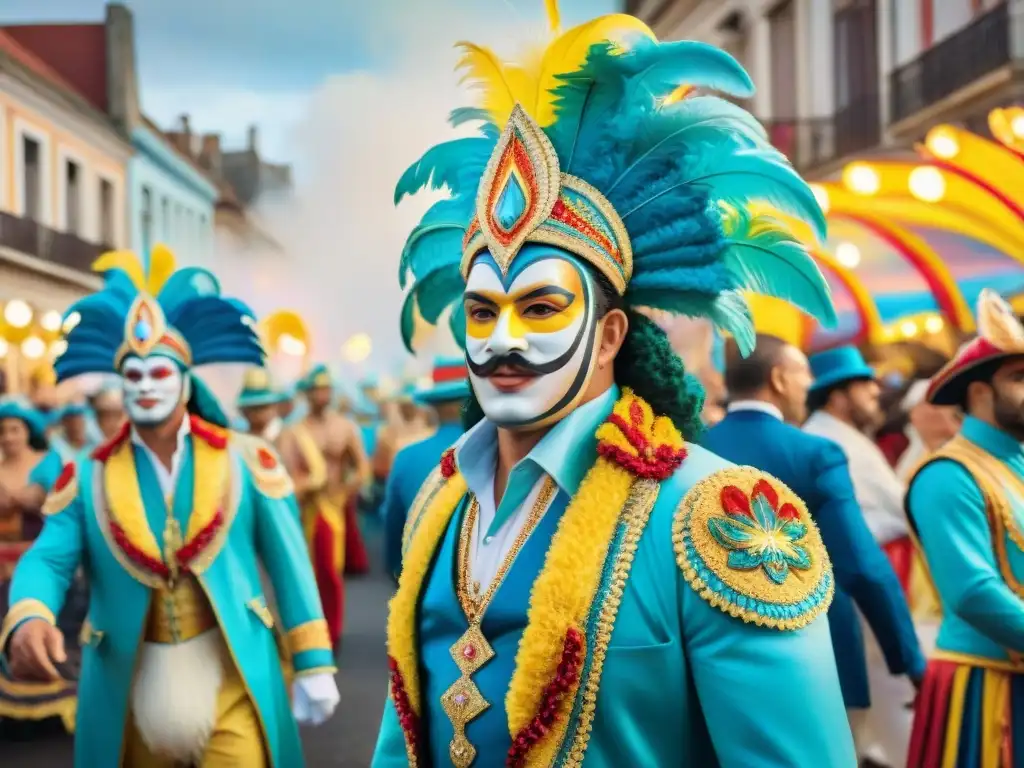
x=541 y=320
x=153 y=388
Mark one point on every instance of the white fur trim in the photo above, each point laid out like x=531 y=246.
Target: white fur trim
x=174 y=698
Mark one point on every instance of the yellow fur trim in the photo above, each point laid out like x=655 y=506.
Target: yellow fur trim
x=802 y=595
x=402 y=635
x=212 y=473
x=29 y=608
x=124 y=498
x=60 y=499
x=419 y=504
x=265 y=465
x=310 y=636
x=656 y=430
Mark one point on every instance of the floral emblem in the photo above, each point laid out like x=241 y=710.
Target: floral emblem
x=646 y=445
x=759 y=533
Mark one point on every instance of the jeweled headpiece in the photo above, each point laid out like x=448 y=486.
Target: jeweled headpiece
x=606 y=146
x=177 y=313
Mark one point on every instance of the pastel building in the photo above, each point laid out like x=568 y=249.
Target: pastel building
x=169 y=198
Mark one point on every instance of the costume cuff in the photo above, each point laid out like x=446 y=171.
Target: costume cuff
x=326 y=670
x=20 y=612
x=311 y=636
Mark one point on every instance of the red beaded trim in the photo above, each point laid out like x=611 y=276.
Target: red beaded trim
x=408 y=719
x=564 y=213
x=515 y=157
x=565 y=678
x=448 y=467
x=211 y=434
x=136 y=555
x=651 y=462
x=202 y=540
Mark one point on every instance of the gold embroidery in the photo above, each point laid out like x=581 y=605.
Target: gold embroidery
x=311 y=636
x=642 y=497
x=794 y=601
x=463 y=702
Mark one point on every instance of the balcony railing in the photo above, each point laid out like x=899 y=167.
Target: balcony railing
x=32 y=238
x=858 y=125
x=979 y=48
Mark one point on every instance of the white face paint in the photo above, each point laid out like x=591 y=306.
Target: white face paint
x=153 y=388
x=530 y=337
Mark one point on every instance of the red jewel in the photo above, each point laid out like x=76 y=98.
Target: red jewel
x=266 y=458
x=66 y=476
x=469 y=652
x=448 y=467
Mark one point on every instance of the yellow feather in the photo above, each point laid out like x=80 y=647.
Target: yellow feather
x=283 y=322
x=127 y=262
x=502 y=85
x=161 y=267
x=554 y=15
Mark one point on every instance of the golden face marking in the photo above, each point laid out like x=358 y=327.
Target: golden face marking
x=538 y=307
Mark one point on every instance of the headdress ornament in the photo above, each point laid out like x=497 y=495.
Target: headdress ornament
x=1000 y=337
x=177 y=313
x=605 y=147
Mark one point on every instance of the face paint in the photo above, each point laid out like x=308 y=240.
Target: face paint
x=153 y=388
x=530 y=336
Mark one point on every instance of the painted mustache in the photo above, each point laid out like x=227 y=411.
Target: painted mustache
x=517 y=362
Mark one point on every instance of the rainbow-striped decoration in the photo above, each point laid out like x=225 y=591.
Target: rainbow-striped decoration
x=969 y=716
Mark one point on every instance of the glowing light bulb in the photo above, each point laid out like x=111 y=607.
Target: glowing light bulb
x=927 y=184
x=17 y=313
x=51 y=321
x=357 y=348
x=862 y=179
x=71 y=321
x=1017 y=126
x=848 y=255
x=908 y=328
x=33 y=347
x=821 y=195
x=933 y=324
x=942 y=142
x=289 y=345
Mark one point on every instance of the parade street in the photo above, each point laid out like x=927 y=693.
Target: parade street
x=347 y=740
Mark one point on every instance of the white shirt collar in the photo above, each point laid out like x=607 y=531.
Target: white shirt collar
x=168 y=478
x=756 y=405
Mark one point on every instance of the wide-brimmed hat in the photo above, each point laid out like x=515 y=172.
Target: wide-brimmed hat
x=319 y=376
x=1000 y=338
x=449 y=382
x=837 y=366
x=258 y=390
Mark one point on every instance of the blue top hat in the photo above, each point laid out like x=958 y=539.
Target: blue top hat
x=450 y=382
x=839 y=365
x=33 y=420
x=258 y=390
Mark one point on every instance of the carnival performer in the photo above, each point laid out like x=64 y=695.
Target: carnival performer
x=580 y=584
x=414 y=463
x=258 y=403
x=966 y=505
x=23 y=448
x=406 y=423
x=325 y=456
x=171 y=520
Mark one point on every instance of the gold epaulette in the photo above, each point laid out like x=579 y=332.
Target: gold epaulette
x=265 y=465
x=747 y=545
x=64 y=491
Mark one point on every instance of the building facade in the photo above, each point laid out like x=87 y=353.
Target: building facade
x=63 y=185
x=169 y=198
x=839 y=77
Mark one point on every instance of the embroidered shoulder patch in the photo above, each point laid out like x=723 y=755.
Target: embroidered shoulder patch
x=63 y=492
x=747 y=545
x=267 y=469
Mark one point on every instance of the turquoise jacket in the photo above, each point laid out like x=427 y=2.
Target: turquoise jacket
x=241 y=499
x=412 y=465
x=674 y=671
x=982 y=615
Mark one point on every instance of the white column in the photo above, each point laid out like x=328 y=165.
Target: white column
x=760 y=61
x=805 y=45
x=1016 y=12
x=820 y=58
x=885 y=32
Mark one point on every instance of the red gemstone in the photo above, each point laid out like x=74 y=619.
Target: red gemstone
x=266 y=458
x=469 y=652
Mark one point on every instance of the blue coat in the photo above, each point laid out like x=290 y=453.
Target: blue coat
x=816 y=470
x=412 y=465
x=255 y=526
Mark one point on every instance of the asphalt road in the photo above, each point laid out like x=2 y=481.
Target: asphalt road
x=346 y=741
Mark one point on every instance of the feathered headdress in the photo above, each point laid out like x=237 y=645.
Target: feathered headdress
x=605 y=147
x=176 y=313
x=1000 y=337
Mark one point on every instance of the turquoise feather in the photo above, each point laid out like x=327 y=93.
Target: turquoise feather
x=455 y=164
x=408 y=320
x=767 y=259
x=462 y=115
x=437 y=239
x=655 y=69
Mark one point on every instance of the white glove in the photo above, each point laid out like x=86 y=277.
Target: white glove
x=314 y=698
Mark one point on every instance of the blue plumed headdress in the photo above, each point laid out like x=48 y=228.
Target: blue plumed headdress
x=178 y=313
x=605 y=147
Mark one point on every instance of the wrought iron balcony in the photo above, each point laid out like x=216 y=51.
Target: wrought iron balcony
x=32 y=238
x=976 y=50
x=808 y=143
